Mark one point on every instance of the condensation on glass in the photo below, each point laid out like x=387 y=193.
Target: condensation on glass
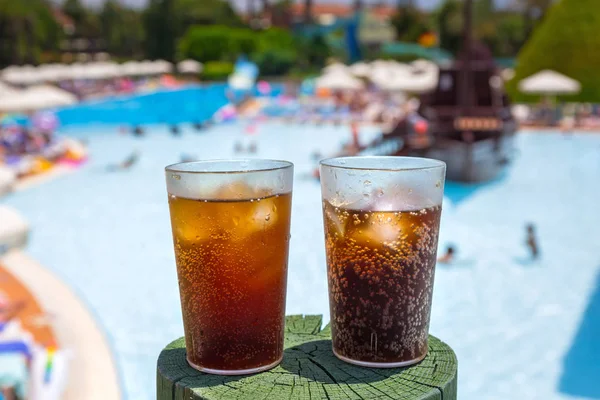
x=381 y=217
x=231 y=228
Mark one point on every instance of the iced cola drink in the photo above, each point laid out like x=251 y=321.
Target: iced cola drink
x=231 y=229
x=382 y=217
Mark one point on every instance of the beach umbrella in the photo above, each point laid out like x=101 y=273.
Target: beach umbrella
x=36 y=98
x=6 y=90
x=49 y=73
x=162 y=67
x=339 y=81
x=360 y=70
x=146 y=67
x=189 y=67
x=130 y=68
x=409 y=82
x=74 y=71
x=25 y=75
x=549 y=82
x=101 y=70
x=383 y=71
x=336 y=67
x=424 y=66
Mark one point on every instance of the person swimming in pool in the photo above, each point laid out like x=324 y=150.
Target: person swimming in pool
x=532 y=242
x=127 y=163
x=448 y=258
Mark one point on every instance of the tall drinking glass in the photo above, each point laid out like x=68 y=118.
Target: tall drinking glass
x=231 y=230
x=382 y=217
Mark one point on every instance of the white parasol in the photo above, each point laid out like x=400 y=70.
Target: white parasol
x=360 y=69
x=409 y=82
x=549 y=83
x=162 y=67
x=130 y=68
x=36 y=98
x=189 y=67
x=336 y=67
x=339 y=80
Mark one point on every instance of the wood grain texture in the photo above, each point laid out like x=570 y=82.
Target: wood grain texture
x=310 y=371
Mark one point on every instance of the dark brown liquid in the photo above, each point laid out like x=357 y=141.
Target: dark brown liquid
x=380 y=268
x=232 y=268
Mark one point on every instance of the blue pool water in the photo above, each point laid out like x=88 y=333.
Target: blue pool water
x=521 y=330
x=192 y=104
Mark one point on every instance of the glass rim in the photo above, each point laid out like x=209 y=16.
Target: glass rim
x=420 y=163
x=252 y=167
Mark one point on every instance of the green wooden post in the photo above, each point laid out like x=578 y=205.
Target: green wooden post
x=310 y=371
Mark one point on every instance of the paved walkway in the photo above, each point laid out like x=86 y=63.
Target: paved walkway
x=92 y=371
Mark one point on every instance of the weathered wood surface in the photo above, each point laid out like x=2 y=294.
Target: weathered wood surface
x=310 y=371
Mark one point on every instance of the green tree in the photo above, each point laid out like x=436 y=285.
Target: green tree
x=410 y=23
x=533 y=12
x=510 y=33
x=26 y=30
x=449 y=22
x=121 y=29
x=567 y=41
x=86 y=22
x=217 y=43
x=159 y=24
x=166 y=21
x=75 y=10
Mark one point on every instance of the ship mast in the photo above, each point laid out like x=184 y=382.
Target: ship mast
x=465 y=95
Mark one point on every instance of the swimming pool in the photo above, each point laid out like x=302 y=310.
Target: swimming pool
x=190 y=104
x=521 y=330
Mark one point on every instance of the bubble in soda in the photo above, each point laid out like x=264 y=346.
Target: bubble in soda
x=231 y=259
x=380 y=272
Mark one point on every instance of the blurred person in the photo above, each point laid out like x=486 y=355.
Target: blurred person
x=238 y=148
x=448 y=257
x=353 y=147
x=253 y=148
x=175 y=130
x=532 y=243
x=138 y=131
x=127 y=163
x=188 y=158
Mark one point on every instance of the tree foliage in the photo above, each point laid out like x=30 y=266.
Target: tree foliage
x=86 y=22
x=26 y=30
x=502 y=31
x=166 y=21
x=274 y=49
x=121 y=29
x=449 y=22
x=567 y=41
x=410 y=23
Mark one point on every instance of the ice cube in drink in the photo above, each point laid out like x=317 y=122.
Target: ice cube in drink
x=231 y=258
x=380 y=282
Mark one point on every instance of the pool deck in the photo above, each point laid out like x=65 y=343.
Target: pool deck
x=92 y=370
